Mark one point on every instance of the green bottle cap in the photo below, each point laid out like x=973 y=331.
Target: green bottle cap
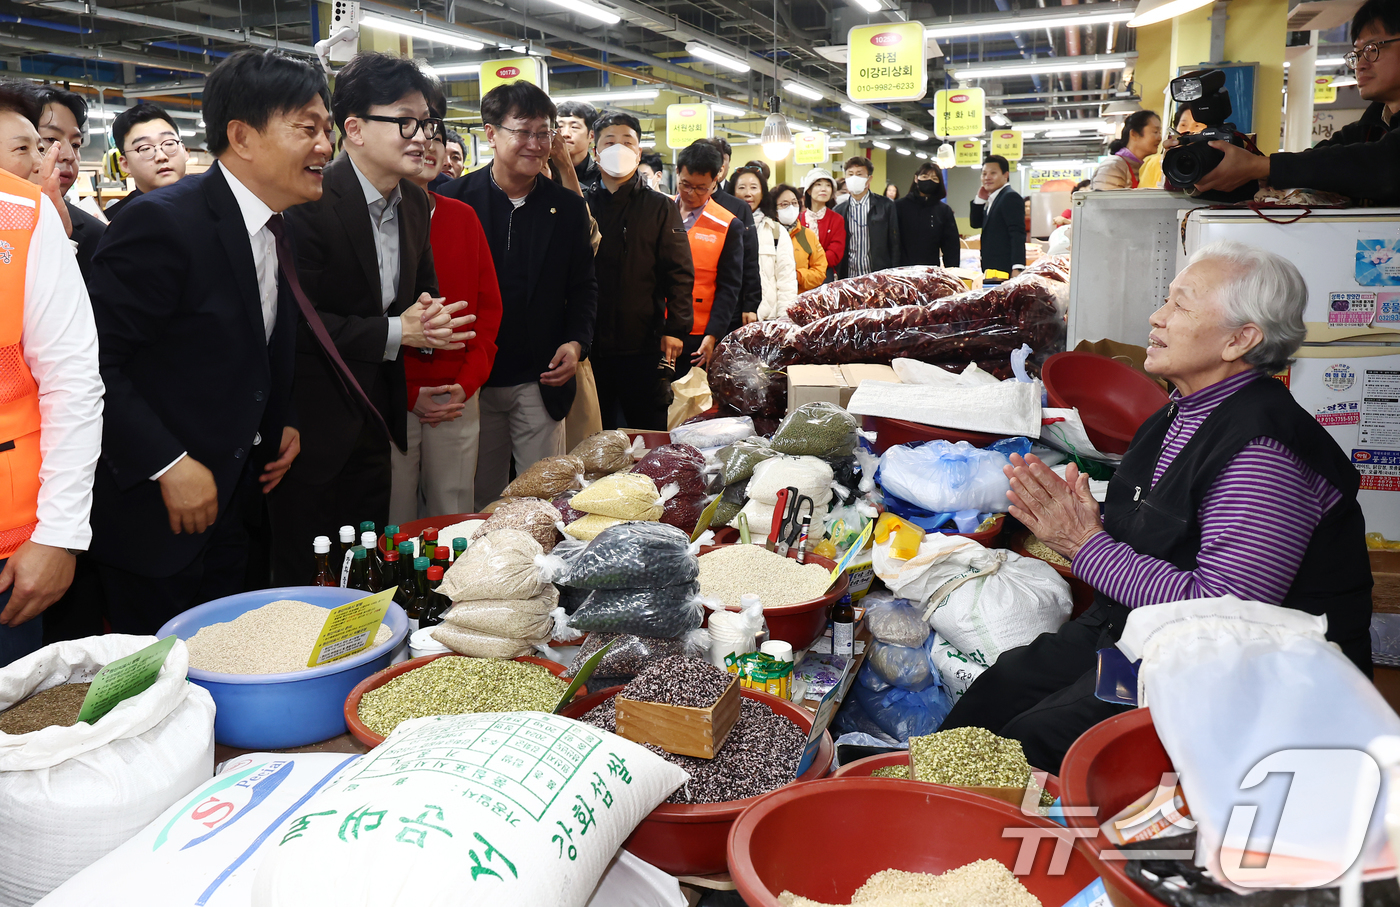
x=459 y=544
x=359 y=553
x=405 y=549
x=420 y=563
x=368 y=526
x=391 y=530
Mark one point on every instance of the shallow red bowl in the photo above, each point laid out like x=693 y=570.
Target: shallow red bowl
x=800 y=623
x=889 y=432
x=1113 y=399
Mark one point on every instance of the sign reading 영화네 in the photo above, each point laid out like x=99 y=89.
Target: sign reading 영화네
x=687 y=122
x=886 y=62
x=504 y=72
x=810 y=147
x=1007 y=143
x=958 y=112
x=124 y=678
x=969 y=153
x=350 y=628
x=1324 y=92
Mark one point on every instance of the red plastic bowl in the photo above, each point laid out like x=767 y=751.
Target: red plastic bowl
x=1113 y=399
x=885 y=824
x=1108 y=767
x=861 y=768
x=375 y=681
x=889 y=432
x=800 y=623
x=689 y=839
x=416 y=527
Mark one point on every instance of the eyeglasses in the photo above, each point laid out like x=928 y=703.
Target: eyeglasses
x=782 y=205
x=1370 y=51
x=695 y=190
x=524 y=135
x=148 y=152
x=409 y=126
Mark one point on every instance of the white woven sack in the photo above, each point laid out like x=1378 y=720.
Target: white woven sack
x=503 y=809
x=69 y=795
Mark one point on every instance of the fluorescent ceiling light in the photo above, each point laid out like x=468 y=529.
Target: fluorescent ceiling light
x=456 y=69
x=855 y=111
x=903 y=150
x=892 y=126
x=1150 y=12
x=730 y=110
x=883 y=146
x=802 y=91
x=607 y=97
x=414 y=30
x=720 y=58
x=870 y=6
x=188 y=133
x=1051 y=165
x=1322 y=62
x=648 y=143
x=1343 y=81
x=921 y=156
x=584 y=8
x=1028 y=133
x=1062 y=134
x=1099 y=63
x=1001 y=120
x=754 y=141
x=1006 y=24
x=918 y=136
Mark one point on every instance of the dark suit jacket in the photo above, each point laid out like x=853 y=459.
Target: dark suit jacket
x=87 y=230
x=882 y=223
x=118 y=206
x=750 y=285
x=186 y=362
x=1003 y=231
x=562 y=288
x=339 y=270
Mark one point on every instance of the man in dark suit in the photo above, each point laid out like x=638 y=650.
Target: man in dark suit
x=872 y=223
x=365 y=263
x=152 y=152
x=62 y=121
x=197 y=328
x=539 y=237
x=1000 y=213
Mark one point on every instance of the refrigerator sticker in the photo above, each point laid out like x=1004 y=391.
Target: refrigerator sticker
x=1388 y=307
x=1351 y=310
x=1380 y=409
x=1339 y=414
x=1339 y=377
x=1380 y=469
x=1378 y=262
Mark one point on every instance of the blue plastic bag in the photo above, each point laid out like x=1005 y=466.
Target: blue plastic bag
x=901 y=666
x=903 y=713
x=948 y=478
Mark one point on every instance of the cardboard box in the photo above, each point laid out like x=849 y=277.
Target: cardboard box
x=831 y=383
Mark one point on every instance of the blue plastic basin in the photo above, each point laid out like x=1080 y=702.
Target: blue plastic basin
x=277 y=711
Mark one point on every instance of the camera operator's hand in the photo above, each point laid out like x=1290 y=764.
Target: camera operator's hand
x=1234 y=170
x=1170 y=142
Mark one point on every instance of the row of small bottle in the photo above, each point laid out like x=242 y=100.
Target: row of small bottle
x=415 y=578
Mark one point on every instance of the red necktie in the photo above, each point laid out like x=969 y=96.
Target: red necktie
x=286 y=262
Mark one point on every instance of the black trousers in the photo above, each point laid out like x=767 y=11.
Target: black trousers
x=304 y=506
x=632 y=391
x=1042 y=694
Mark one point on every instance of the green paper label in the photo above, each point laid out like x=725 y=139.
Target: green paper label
x=123 y=679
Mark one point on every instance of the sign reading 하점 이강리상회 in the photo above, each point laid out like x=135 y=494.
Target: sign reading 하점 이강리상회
x=886 y=62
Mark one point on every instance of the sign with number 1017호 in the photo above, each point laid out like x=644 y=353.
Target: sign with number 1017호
x=886 y=62
x=516 y=69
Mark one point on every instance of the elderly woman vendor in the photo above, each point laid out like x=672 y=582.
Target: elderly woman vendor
x=1233 y=488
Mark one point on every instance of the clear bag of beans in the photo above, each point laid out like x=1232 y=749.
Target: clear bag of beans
x=623 y=496
x=710 y=433
x=630 y=654
x=818 y=430
x=548 y=478
x=662 y=611
x=537 y=518
x=678 y=464
x=503 y=618
x=683 y=511
x=566 y=511
x=634 y=556
x=604 y=453
x=476 y=644
x=501 y=565
x=737 y=461
x=730 y=503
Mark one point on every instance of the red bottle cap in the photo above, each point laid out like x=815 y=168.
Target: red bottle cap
x=400 y=537
x=434 y=574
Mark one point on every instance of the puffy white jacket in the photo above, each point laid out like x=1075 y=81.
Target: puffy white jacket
x=777 y=268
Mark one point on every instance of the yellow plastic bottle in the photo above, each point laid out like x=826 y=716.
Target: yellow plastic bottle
x=907 y=536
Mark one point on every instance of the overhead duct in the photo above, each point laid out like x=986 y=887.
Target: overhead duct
x=218 y=34
x=109 y=56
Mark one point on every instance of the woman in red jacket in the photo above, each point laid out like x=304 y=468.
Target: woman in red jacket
x=818 y=190
x=436 y=475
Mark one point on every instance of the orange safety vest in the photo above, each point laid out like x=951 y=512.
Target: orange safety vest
x=19 y=394
x=706 y=243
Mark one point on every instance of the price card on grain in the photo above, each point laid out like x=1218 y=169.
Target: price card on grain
x=123 y=679
x=350 y=628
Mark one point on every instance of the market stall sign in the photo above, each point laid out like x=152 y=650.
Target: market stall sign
x=969 y=153
x=687 y=122
x=959 y=111
x=350 y=628
x=886 y=62
x=123 y=679
x=1007 y=143
x=1324 y=92
x=1042 y=175
x=516 y=69
x=810 y=147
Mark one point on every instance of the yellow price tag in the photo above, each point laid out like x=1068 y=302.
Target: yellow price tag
x=1324 y=92
x=350 y=628
x=969 y=153
x=850 y=555
x=887 y=62
x=810 y=147
x=959 y=111
x=516 y=69
x=687 y=122
x=1007 y=143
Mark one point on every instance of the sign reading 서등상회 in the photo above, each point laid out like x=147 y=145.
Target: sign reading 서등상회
x=969 y=153
x=810 y=147
x=687 y=122
x=516 y=69
x=886 y=62
x=1324 y=92
x=958 y=112
x=1007 y=143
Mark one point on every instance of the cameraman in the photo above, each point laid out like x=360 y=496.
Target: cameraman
x=1363 y=160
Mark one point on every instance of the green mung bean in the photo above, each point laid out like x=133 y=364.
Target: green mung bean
x=969 y=757
x=456 y=685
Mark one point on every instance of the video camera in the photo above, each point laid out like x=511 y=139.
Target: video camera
x=1203 y=93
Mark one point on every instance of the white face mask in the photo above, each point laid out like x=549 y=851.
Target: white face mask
x=788 y=216
x=842 y=197
x=856 y=184
x=618 y=161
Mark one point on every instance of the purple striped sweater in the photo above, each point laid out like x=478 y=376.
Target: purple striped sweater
x=1256 y=521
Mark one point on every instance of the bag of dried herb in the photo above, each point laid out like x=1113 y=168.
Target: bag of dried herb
x=630 y=654
x=817 y=429
x=634 y=556
x=655 y=611
x=548 y=478
x=536 y=517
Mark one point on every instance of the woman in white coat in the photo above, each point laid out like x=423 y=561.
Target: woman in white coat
x=777 y=267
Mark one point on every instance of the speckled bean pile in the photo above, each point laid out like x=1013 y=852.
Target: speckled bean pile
x=454 y=685
x=679 y=680
x=969 y=757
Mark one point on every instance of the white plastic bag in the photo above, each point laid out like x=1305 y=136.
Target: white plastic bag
x=946 y=478
x=811 y=476
x=982 y=601
x=1240 y=691
x=69 y=795
x=957 y=669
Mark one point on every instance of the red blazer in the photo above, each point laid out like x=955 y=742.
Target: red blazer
x=464 y=271
x=831 y=233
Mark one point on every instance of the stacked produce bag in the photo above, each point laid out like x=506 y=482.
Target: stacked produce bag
x=898 y=687
x=682 y=466
x=504 y=607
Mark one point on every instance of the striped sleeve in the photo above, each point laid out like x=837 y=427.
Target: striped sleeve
x=1256 y=521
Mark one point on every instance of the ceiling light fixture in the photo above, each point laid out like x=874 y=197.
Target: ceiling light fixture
x=1001 y=120
x=1050 y=66
x=1322 y=63
x=870 y=6
x=607 y=97
x=803 y=91
x=947 y=156
x=1008 y=24
x=902 y=150
x=883 y=146
x=415 y=30
x=921 y=156
x=1150 y=12
x=1062 y=134
x=717 y=57
x=729 y=110
x=918 y=136
x=456 y=69
x=855 y=111
x=776 y=136
x=584 y=8
x=892 y=126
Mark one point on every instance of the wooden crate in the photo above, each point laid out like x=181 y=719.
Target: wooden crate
x=679 y=729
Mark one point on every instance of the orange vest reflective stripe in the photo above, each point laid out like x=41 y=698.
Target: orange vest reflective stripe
x=706 y=243
x=19 y=394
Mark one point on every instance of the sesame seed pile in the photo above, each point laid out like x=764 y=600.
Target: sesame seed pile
x=985 y=883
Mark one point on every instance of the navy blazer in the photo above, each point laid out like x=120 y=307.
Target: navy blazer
x=1003 y=230
x=186 y=363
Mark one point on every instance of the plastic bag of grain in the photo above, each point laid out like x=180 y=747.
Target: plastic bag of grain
x=495 y=825
x=604 y=453
x=69 y=795
x=817 y=429
x=634 y=556
x=476 y=644
x=538 y=518
x=587 y=526
x=737 y=461
x=548 y=478
x=623 y=496
x=628 y=653
x=498 y=565
x=526 y=618
x=666 y=611
x=811 y=476
x=678 y=464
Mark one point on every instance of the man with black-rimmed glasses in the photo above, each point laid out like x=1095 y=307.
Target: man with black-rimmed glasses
x=151 y=151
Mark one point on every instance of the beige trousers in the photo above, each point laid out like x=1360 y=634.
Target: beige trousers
x=514 y=426
x=437 y=474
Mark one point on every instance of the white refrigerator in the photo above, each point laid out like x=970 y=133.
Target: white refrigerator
x=1347 y=373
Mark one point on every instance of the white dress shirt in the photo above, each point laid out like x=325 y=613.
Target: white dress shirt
x=990 y=198
x=60 y=347
x=384 y=219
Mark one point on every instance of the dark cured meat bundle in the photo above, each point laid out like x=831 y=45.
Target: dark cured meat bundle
x=914 y=285
x=746 y=372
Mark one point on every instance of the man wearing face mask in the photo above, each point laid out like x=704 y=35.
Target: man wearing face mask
x=927 y=227
x=645 y=281
x=872 y=226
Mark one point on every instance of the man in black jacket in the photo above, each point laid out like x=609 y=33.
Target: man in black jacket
x=539 y=237
x=1000 y=213
x=645 y=281
x=872 y=225
x=62 y=121
x=576 y=120
x=750 y=285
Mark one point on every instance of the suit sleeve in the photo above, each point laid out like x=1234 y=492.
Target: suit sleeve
x=355 y=337
x=675 y=279
x=581 y=293
x=977 y=215
x=896 y=252
x=752 y=290
x=1369 y=170
x=1016 y=229
x=727 y=285
x=481 y=349
x=948 y=241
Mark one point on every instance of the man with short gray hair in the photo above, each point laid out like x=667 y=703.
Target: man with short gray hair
x=1232 y=489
